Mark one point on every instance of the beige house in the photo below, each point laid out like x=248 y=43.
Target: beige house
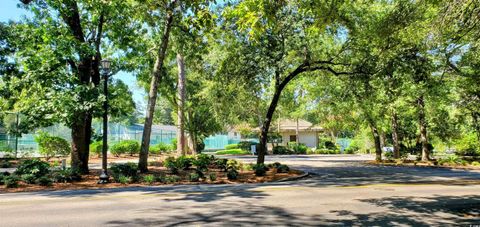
x=300 y=131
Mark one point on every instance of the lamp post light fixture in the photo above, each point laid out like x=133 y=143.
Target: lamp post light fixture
x=105 y=71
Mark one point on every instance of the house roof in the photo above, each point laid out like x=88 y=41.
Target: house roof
x=291 y=125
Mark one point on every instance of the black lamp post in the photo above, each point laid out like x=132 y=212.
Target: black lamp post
x=105 y=71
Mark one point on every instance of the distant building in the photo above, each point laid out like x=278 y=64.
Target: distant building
x=287 y=128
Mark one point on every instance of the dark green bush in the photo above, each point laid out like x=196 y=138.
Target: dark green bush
x=2 y=176
x=51 y=146
x=202 y=161
x=34 y=166
x=161 y=148
x=200 y=146
x=212 y=176
x=96 y=148
x=194 y=177
x=149 y=179
x=184 y=162
x=281 y=150
x=172 y=179
x=247 y=145
x=66 y=176
x=330 y=145
x=5 y=164
x=260 y=169
x=125 y=169
x=171 y=164
x=231 y=146
x=274 y=165
x=124 y=179
x=44 y=181
x=11 y=181
x=282 y=169
x=29 y=178
x=232 y=174
x=125 y=147
x=297 y=148
x=221 y=164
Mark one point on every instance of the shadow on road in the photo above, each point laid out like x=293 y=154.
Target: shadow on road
x=412 y=211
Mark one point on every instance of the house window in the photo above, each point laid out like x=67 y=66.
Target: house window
x=293 y=138
x=235 y=134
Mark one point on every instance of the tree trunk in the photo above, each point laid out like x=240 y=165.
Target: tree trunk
x=181 y=103
x=376 y=139
x=396 y=142
x=152 y=95
x=79 y=147
x=423 y=128
x=266 y=125
x=297 y=139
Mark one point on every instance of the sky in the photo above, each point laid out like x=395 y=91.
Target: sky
x=10 y=12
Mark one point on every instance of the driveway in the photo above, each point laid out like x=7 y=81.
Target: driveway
x=342 y=191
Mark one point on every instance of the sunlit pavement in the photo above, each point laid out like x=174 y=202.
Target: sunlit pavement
x=341 y=191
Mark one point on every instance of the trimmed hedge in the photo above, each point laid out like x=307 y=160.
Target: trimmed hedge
x=125 y=146
x=232 y=152
x=51 y=146
x=231 y=146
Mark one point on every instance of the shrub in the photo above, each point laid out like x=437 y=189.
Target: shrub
x=125 y=146
x=184 y=162
x=51 y=146
x=221 y=164
x=174 y=144
x=260 y=169
x=475 y=163
x=193 y=177
x=172 y=179
x=11 y=181
x=124 y=179
x=468 y=146
x=326 y=151
x=161 y=147
x=202 y=161
x=96 y=148
x=126 y=169
x=44 y=181
x=212 y=176
x=200 y=146
x=232 y=174
x=297 y=148
x=232 y=152
x=34 y=166
x=233 y=164
x=29 y=178
x=247 y=145
x=274 y=165
x=149 y=179
x=231 y=146
x=171 y=164
x=450 y=160
x=281 y=150
x=65 y=176
x=5 y=164
x=330 y=145
x=282 y=169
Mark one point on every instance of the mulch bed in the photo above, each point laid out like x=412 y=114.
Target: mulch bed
x=89 y=181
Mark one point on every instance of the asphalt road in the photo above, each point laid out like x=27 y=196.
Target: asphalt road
x=341 y=191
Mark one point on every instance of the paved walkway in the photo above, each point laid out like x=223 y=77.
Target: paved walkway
x=342 y=192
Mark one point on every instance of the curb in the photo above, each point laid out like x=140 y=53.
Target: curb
x=424 y=166
x=304 y=175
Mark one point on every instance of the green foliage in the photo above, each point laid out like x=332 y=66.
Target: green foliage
x=232 y=174
x=123 y=179
x=212 y=176
x=2 y=176
x=161 y=148
x=174 y=144
x=125 y=146
x=171 y=179
x=247 y=145
x=450 y=160
x=34 y=166
x=281 y=150
x=5 y=164
x=171 y=164
x=129 y=170
x=51 y=146
x=260 y=169
x=11 y=181
x=283 y=169
x=221 y=164
x=184 y=162
x=203 y=161
x=298 y=148
x=96 y=148
x=66 y=176
x=45 y=181
x=233 y=164
x=149 y=179
x=193 y=177
x=233 y=152
x=231 y=146
x=468 y=145
x=29 y=178
x=326 y=151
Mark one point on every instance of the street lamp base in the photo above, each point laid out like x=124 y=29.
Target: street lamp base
x=104 y=179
